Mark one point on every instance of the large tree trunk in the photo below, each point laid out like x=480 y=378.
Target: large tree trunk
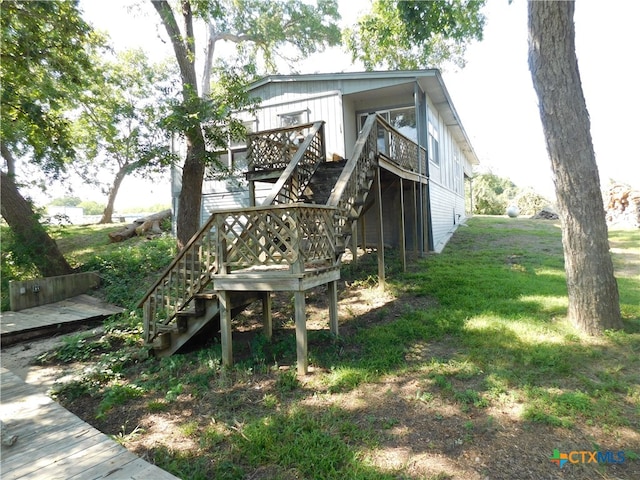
x=188 y=214
x=107 y=215
x=188 y=217
x=592 y=288
x=17 y=212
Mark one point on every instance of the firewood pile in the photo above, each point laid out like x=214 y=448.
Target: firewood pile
x=622 y=204
x=545 y=214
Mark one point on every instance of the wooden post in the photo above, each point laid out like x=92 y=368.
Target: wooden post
x=225 y=328
x=381 y=274
x=415 y=218
x=301 y=332
x=252 y=193
x=403 y=250
x=354 y=241
x=267 y=316
x=333 y=306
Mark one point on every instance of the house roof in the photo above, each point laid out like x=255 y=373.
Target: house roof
x=429 y=80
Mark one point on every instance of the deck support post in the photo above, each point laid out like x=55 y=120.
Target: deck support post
x=403 y=249
x=354 y=241
x=363 y=232
x=225 y=328
x=301 y=332
x=380 y=220
x=333 y=306
x=267 y=317
x=416 y=222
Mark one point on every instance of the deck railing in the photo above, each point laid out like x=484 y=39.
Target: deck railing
x=376 y=137
x=399 y=149
x=293 y=236
x=274 y=149
x=296 y=176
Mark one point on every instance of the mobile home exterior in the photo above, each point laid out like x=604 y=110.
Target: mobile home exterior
x=415 y=103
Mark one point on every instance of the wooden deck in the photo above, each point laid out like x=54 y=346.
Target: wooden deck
x=36 y=321
x=55 y=444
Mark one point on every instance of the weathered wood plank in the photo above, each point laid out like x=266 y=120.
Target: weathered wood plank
x=55 y=444
x=76 y=309
x=41 y=291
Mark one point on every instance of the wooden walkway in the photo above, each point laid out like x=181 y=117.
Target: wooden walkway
x=39 y=320
x=55 y=444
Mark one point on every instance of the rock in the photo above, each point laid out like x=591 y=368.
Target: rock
x=545 y=214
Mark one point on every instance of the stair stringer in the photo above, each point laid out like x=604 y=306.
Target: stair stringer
x=178 y=339
x=195 y=323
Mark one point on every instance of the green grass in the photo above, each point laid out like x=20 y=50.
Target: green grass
x=126 y=269
x=493 y=332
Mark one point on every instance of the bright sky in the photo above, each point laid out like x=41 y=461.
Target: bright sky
x=493 y=94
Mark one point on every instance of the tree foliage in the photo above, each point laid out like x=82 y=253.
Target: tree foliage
x=411 y=35
x=492 y=195
x=119 y=126
x=45 y=64
x=265 y=32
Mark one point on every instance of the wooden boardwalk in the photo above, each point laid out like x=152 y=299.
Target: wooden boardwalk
x=39 y=320
x=55 y=444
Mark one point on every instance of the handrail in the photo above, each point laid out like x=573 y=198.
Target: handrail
x=288 y=235
x=304 y=164
x=356 y=174
x=400 y=149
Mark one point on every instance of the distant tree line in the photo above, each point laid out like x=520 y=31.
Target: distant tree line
x=492 y=195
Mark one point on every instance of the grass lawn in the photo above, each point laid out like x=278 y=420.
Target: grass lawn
x=464 y=367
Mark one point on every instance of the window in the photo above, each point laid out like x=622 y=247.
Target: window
x=402 y=119
x=292 y=119
x=250 y=126
x=434 y=152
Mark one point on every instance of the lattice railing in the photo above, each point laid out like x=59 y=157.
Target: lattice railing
x=292 y=235
x=274 y=149
x=296 y=176
x=296 y=236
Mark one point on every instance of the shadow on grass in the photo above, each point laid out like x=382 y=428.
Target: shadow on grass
x=487 y=380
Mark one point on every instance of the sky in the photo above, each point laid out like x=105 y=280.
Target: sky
x=493 y=94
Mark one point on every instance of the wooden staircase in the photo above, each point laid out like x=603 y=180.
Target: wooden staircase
x=293 y=241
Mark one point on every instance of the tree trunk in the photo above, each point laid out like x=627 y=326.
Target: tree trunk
x=188 y=211
x=189 y=201
x=592 y=288
x=107 y=215
x=17 y=212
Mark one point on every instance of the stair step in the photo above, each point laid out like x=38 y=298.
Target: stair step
x=166 y=328
x=206 y=295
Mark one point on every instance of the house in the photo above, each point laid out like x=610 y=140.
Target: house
x=415 y=103
x=334 y=163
